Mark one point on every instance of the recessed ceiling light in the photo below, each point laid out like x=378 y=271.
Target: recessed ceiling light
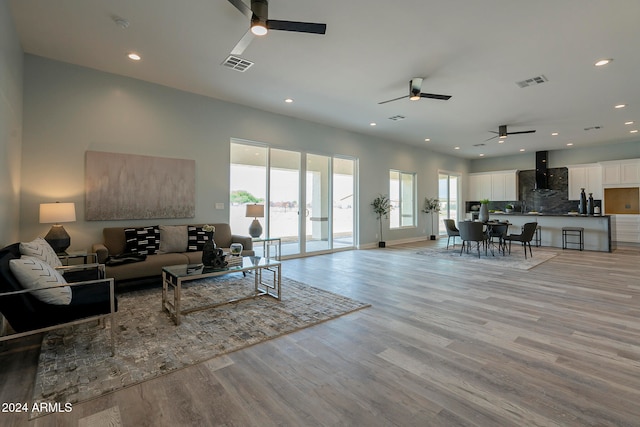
x=602 y=62
x=288 y=100
x=427 y=139
x=372 y=124
x=522 y=149
x=569 y=144
x=481 y=154
x=620 y=106
x=629 y=123
x=554 y=133
x=134 y=56
x=456 y=148
x=501 y=141
x=633 y=131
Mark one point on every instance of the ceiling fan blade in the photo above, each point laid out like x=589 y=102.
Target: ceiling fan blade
x=434 y=96
x=524 y=131
x=493 y=137
x=243 y=43
x=242 y=7
x=394 y=99
x=299 y=27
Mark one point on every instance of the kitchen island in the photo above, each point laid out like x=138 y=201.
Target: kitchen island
x=597 y=228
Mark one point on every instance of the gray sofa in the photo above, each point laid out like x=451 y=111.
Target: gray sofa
x=169 y=253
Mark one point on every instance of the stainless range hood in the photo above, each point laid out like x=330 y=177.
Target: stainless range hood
x=542 y=178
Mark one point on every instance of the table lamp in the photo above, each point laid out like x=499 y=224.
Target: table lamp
x=256 y=211
x=55 y=213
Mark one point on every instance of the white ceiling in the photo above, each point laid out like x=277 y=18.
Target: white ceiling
x=473 y=50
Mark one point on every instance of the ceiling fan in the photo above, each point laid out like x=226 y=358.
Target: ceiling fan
x=502 y=132
x=415 y=93
x=260 y=23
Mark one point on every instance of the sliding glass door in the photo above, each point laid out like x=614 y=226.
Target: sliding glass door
x=308 y=198
x=284 y=199
x=448 y=186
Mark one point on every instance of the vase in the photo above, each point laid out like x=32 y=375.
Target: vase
x=208 y=250
x=236 y=249
x=590 y=204
x=582 y=206
x=484 y=213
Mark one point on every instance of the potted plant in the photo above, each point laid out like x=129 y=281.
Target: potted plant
x=431 y=206
x=508 y=208
x=484 y=210
x=381 y=207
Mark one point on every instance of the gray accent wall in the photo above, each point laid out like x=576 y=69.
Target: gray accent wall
x=70 y=109
x=10 y=126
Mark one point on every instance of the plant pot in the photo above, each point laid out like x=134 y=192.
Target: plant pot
x=382 y=244
x=432 y=237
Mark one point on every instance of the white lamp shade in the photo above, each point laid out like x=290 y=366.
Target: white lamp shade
x=255 y=211
x=55 y=213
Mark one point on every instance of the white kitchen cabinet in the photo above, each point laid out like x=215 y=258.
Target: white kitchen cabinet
x=588 y=177
x=626 y=228
x=621 y=172
x=495 y=186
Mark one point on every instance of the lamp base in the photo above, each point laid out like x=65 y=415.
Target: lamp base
x=255 y=229
x=58 y=239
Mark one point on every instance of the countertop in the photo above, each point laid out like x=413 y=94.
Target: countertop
x=546 y=214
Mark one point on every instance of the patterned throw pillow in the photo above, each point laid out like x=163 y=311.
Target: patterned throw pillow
x=143 y=240
x=33 y=273
x=197 y=238
x=41 y=249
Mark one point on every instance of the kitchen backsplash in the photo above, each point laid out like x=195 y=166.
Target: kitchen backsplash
x=553 y=200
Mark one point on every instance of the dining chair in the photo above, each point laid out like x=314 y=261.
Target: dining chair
x=525 y=237
x=452 y=231
x=498 y=231
x=472 y=231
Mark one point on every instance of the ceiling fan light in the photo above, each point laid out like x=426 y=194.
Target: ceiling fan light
x=258 y=27
x=415 y=87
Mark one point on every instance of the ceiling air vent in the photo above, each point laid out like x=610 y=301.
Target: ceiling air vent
x=236 y=63
x=397 y=118
x=533 y=81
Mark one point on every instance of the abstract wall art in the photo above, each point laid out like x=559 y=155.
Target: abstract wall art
x=127 y=186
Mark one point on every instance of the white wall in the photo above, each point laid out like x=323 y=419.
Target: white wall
x=10 y=126
x=70 y=109
x=560 y=158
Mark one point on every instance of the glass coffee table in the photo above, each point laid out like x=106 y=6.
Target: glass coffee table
x=267 y=277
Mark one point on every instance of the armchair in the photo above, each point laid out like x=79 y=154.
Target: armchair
x=92 y=298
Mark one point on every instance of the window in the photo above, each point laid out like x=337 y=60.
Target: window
x=308 y=198
x=448 y=196
x=402 y=187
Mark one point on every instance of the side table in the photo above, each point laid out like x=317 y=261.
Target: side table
x=267 y=244
x=70 y=255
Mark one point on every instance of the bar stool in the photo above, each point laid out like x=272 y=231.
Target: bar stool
x=537 y=238
x=572 y=232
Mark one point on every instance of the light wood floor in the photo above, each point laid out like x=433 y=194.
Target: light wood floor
x=444 y=344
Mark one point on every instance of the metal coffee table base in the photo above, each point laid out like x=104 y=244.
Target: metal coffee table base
x=267 y=281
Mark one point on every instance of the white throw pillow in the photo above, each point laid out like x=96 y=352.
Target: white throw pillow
x=33 y=273
x=41 y=249
x=173 y=238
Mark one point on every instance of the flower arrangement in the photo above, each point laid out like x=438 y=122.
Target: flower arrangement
x=208 y=228
x=484 y=201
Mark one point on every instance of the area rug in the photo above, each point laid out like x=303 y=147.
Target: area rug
x=76 y=364
x=514 y=260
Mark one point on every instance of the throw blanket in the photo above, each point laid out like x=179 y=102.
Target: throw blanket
x=125 y=258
